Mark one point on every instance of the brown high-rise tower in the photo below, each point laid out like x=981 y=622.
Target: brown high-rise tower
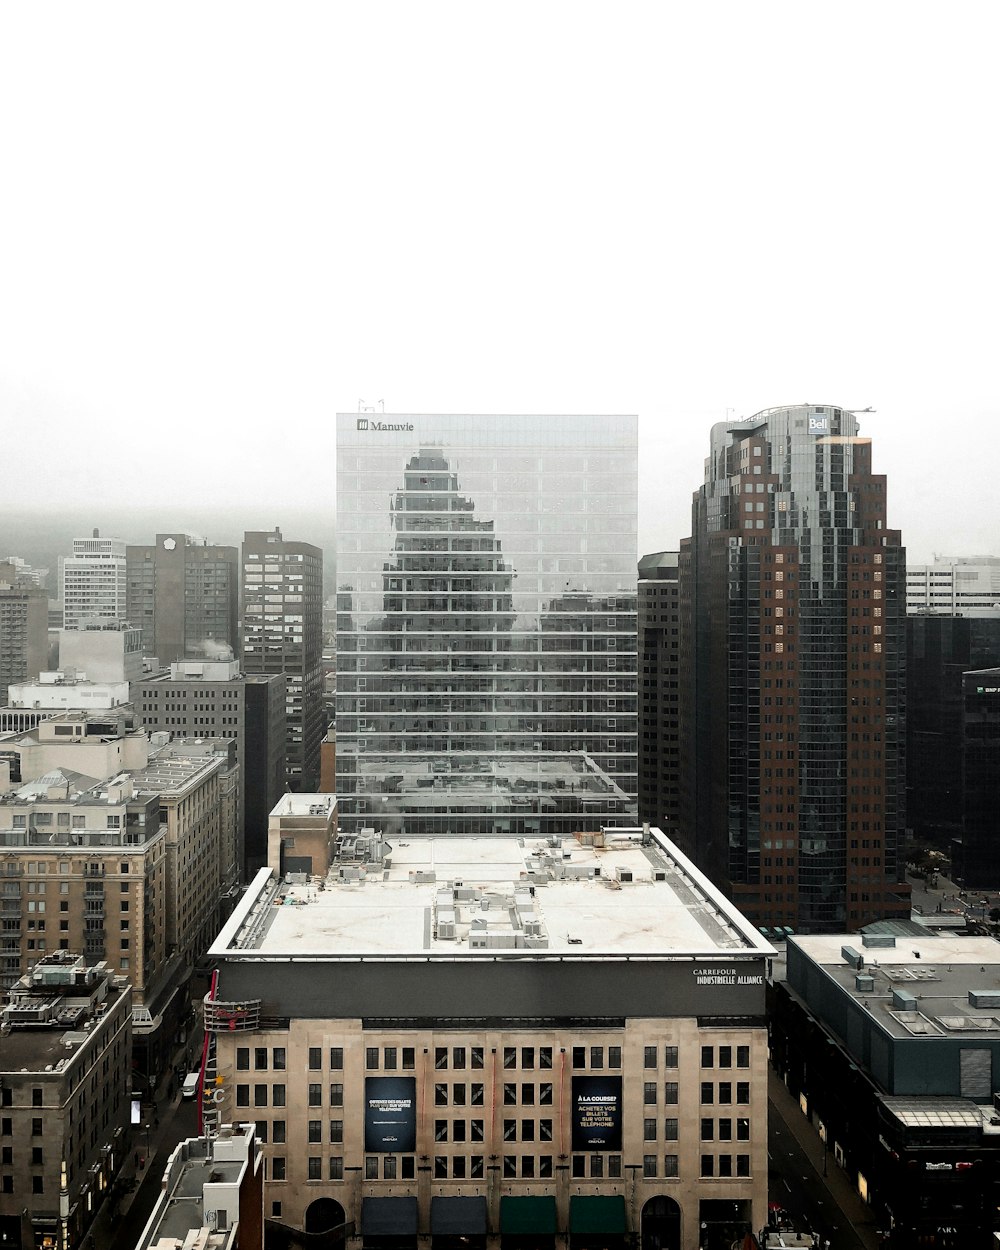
x=792 y=658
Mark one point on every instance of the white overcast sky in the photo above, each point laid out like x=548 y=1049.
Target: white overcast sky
x=220 y=223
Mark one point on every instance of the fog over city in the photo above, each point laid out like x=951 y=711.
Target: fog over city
x=223 y=224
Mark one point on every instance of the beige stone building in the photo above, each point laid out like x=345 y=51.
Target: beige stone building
x=128 y=862
x=65 y=1060
x=499 y=1042
x=301 y=833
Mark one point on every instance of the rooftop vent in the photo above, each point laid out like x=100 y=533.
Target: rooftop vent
x=851 y=956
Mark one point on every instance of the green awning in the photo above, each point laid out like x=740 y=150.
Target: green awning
x=597 y=1213
x=530 y=1214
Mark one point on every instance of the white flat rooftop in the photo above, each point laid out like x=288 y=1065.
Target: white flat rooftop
x=454 y=897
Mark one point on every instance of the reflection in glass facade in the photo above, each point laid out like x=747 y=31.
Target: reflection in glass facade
x=793 y=654
x=486 y=630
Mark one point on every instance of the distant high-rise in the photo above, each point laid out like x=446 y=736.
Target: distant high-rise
x=659 y=693
x=24 y=627
x=978 y=859
x=955 y=586
x=184 y=595
x=93 y=582
x=792 y=659
x=486 y=636
x=939 y=650
x=283 y=633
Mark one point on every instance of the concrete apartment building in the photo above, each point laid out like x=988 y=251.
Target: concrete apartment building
x=24 y=630
x=105 y=652
x=955 y=586
x=122 y=849
x=538 y=1041
x=93 y=582
x=184 y=595
x=214 y=699
x=283 y=634
x=65 y=1062
x=211 y=1196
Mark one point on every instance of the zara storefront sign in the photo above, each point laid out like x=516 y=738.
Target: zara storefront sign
x=385 y=427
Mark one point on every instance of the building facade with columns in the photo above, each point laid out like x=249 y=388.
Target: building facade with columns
x=498 y=1039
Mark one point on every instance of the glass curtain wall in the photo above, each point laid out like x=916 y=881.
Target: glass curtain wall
x=486 y=627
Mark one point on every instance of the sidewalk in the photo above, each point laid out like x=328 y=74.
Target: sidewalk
x=842 y=1193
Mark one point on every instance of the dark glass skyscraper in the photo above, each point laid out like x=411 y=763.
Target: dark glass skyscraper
x=792 y=660
x=486 y=636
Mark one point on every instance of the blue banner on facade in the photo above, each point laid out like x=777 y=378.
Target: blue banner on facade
x=390 y=1114
x=597 y=1113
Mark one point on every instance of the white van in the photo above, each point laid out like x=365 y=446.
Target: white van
x=190 y=1086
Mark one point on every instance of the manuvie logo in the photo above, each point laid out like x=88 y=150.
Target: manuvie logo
x=385 y=427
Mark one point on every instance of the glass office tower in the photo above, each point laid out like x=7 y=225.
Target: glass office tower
x=486 y=629
x=792 y=668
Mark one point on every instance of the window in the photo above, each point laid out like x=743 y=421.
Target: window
x=579 y=1056
x=742 y=1165
x=371 y=1057
x=708 y=1056
x=441 y=1167
x=743 y=1092
x=707 y=1130
x=670 y=1091
x=243 y=1095
x=670 y=1165
x=742 y=1130
x=371 y=1168
x=409 y=1057
x=315 y=1094
x=545 y=1057
x=527 y=1057
x=315 y=1168
x=441 y=1056
x=510 y=1056
x=725 y=1091
x=649 y=1057
x=260 y=1095
x=743 y=1056
x=725 y=1056
x=260 y=1058
x=37 y=1185
x=725 y=1130
x=597 y=1056
x=649 y=1165
x=242 y=1058
x=649 y=1130
x=278 y=1132
x=708 y=1165
x=670 y=1127
x=614 y=1056
x=315 y=1132
x=441 y=1095
x=458 y=1095
x=440 y=1130
x=315 y=1058
x=579 y=1165
x=336 y=1132
x=649 y=1093
x=476 y=1057
x=278 y=1168
x=510 y=1130
x=670 y=1057
x=389 y=1168
x=707 y=1092
x=527 y=1095
x=509 y=1094
x=336 y=1057
x=336 y=1095
x=476 y=1094
x=545 y=1094
x=337 y=1167
x=725 y=1165
x=278 y=1059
